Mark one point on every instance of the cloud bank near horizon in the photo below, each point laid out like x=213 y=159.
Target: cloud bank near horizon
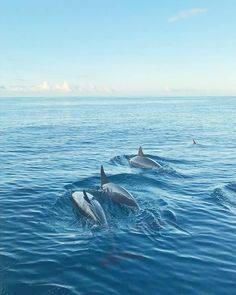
x=46 y=88
x=66 y=89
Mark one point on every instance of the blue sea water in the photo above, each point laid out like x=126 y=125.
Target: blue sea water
x=182 y=241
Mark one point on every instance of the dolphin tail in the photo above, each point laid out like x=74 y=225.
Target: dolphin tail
x=104 y=178
x=140 y=152
x=86 y=197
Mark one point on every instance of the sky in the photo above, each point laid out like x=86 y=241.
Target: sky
x=117 y=48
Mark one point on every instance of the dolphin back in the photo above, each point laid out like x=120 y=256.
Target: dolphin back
x=119 y=195
x=99 y=212
x=89 y=206
x=142 y=161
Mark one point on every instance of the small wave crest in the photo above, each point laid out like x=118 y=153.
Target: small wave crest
x=120 y=160
x=225 y=196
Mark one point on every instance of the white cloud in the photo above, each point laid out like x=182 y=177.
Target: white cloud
x=17 y=88
x=92 y=89
x=187 y=14
x=64 y=87
x=45 y=86
x=167 y=88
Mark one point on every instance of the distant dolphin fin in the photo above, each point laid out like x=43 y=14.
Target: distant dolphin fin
x=104 y=178
x=140 y=152
x=86 y=197
x=194 y=142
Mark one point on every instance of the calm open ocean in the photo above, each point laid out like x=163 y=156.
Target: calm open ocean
x=183 y=239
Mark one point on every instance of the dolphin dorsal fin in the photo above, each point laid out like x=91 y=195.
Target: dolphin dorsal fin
x=104 y=178
x=86 y=197
x=140 y=152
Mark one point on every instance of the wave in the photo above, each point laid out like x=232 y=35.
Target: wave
x=225 y=196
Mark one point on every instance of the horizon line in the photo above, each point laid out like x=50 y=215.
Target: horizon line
x=123 y=96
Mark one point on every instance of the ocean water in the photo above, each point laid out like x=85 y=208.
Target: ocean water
x=182 y=241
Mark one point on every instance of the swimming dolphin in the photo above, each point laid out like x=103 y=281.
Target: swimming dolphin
x=90 y=206
x=141 y=161
x=117 y=193
x=194 y=142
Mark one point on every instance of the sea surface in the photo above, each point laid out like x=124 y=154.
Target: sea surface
x=183 y=238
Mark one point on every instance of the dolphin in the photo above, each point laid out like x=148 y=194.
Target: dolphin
x=141 y=161
x=117 y=193
x=90 y=206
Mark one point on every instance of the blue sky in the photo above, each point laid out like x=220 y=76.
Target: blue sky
x=117 y=47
